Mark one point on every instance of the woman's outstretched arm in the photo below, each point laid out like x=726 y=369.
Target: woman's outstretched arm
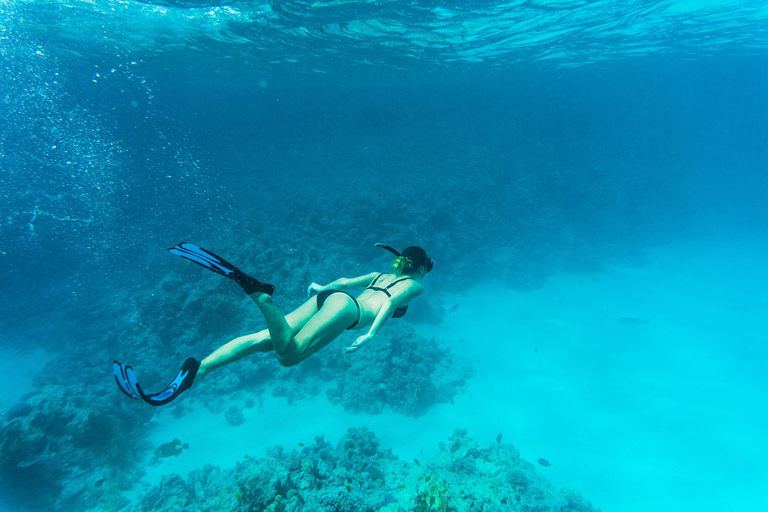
x=385 y=313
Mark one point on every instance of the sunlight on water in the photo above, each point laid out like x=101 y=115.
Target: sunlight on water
x=570 y=33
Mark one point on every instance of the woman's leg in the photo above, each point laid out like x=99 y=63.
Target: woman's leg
x=235 y=350
x=338 y=313
x=260 y=341
x=280 y=331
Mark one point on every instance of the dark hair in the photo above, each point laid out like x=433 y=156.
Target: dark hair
x=410 y=260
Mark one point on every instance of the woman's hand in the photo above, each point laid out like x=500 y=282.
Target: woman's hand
x=359 y=342
x=314 y=287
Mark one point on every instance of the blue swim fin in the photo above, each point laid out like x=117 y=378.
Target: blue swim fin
x=128 y=384
x=222 y=267
x=126 y=380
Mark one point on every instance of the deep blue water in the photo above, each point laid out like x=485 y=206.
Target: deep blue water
x=514 y=140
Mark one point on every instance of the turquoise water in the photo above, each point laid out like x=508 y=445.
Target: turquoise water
x=589 y=176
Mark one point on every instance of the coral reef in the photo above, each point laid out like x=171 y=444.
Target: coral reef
x=491 y=477
x=353 y=476
x=52 y=457
x=359 y=475
x=407 y=372
x=18 y=410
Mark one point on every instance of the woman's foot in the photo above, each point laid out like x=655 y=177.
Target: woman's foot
x=261 y=299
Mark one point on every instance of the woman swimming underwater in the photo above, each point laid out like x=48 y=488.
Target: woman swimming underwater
x=307 y=329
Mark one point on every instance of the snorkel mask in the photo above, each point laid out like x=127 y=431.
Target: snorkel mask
x=430 y=263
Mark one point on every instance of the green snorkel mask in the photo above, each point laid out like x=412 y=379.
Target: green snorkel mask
x=429 y=262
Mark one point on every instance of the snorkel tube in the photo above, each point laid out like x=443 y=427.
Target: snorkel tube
x=389 y=248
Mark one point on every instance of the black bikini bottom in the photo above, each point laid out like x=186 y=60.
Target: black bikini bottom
x=324 y=295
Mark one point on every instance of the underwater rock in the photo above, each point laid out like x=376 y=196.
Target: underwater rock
x=171 y=494
x=575 y=501
x=18 y=410
x=26 y=475
x=87 y=430
x=38 y=453
x=234 y=416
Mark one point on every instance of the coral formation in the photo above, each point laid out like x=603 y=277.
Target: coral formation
x=49 y=458
x=18 y=410
x=494 y=477
x=433 y=496
x=359 y=475
x=353 y=476
x=234 y=416
x=407 y=372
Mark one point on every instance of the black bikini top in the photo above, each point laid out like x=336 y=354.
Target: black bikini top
x=399 y=311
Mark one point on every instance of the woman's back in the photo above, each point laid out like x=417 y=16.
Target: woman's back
x=383 y=286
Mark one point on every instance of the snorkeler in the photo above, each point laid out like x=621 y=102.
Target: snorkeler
x=302 y=332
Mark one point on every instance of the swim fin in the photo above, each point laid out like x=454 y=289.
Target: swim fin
x=126 y=380
x=222 y=267
x=128 y=384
